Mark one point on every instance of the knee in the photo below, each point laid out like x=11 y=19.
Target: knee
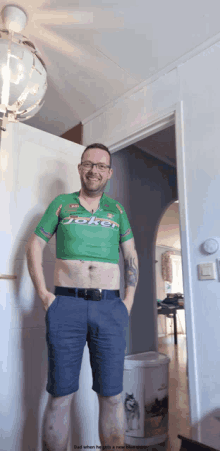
x=112 y=400
x=60 y=401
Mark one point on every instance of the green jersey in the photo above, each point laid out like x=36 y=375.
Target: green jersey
x=81 y=235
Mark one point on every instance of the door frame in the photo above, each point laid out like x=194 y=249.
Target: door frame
x=174 y=115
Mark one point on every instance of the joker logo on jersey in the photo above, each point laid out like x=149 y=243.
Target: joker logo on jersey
x=90 y=221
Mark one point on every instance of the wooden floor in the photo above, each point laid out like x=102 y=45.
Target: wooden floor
x=179 y=421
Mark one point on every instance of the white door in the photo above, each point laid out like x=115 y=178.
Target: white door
x=34 y=167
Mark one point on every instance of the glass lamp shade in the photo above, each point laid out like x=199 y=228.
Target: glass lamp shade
x=23 y=77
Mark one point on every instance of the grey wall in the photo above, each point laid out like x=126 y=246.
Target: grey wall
x=145 y=186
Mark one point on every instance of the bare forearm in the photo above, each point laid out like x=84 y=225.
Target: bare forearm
x=131 y=273
x=35 y=268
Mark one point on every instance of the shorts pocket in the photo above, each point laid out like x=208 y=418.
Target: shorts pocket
x=51 y=306
x=124 y=306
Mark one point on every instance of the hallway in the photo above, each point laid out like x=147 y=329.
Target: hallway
x=179 y=421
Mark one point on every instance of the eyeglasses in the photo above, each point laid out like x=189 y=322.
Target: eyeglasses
x=100 y=166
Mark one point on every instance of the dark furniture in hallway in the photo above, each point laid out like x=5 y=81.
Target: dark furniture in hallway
x=170 y=310
x=191 y=445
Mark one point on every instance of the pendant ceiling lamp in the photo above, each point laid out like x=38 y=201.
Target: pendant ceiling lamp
x=23 y=75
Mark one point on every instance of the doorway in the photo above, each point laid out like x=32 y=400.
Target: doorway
x=157 y=120
x=148 y=140
x=162 y=145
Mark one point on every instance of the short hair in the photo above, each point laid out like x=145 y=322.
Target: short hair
x=98 y=146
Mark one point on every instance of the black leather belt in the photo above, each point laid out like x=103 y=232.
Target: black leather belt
x=89 y=294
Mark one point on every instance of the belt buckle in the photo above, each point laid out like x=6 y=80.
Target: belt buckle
x=98 y=292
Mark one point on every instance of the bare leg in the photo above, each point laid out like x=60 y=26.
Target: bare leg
x=56 y=423
x=111 y=420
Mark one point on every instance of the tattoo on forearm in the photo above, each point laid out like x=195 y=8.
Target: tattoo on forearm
x=131 y=272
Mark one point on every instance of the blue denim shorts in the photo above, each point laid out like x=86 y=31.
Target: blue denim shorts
x=71 y=321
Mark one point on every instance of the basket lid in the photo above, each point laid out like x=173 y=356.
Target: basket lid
x=146 y=359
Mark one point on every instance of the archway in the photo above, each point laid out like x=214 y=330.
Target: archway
x=168 y=240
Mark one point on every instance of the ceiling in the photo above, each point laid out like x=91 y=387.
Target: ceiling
x=97 y=50
x=161 y=145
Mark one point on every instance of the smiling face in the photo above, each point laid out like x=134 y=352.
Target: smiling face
x=94 y=181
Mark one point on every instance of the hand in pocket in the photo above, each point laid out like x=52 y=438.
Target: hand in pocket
x=48 y=299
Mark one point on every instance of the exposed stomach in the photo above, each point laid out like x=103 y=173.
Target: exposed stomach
x=86 y=274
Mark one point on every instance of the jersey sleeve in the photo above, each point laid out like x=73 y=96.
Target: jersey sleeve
x=49 y=221
x=125 y=228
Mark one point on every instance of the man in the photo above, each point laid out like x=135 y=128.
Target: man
x=86 y=305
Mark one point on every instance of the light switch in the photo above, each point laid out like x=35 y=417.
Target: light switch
x=207 y=271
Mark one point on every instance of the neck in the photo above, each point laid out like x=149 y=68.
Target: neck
x=91 y=197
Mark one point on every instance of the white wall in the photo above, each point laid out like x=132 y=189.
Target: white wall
x=196 y=84
x=36 y=167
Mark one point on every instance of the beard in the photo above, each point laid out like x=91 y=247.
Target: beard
x=93 y=188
